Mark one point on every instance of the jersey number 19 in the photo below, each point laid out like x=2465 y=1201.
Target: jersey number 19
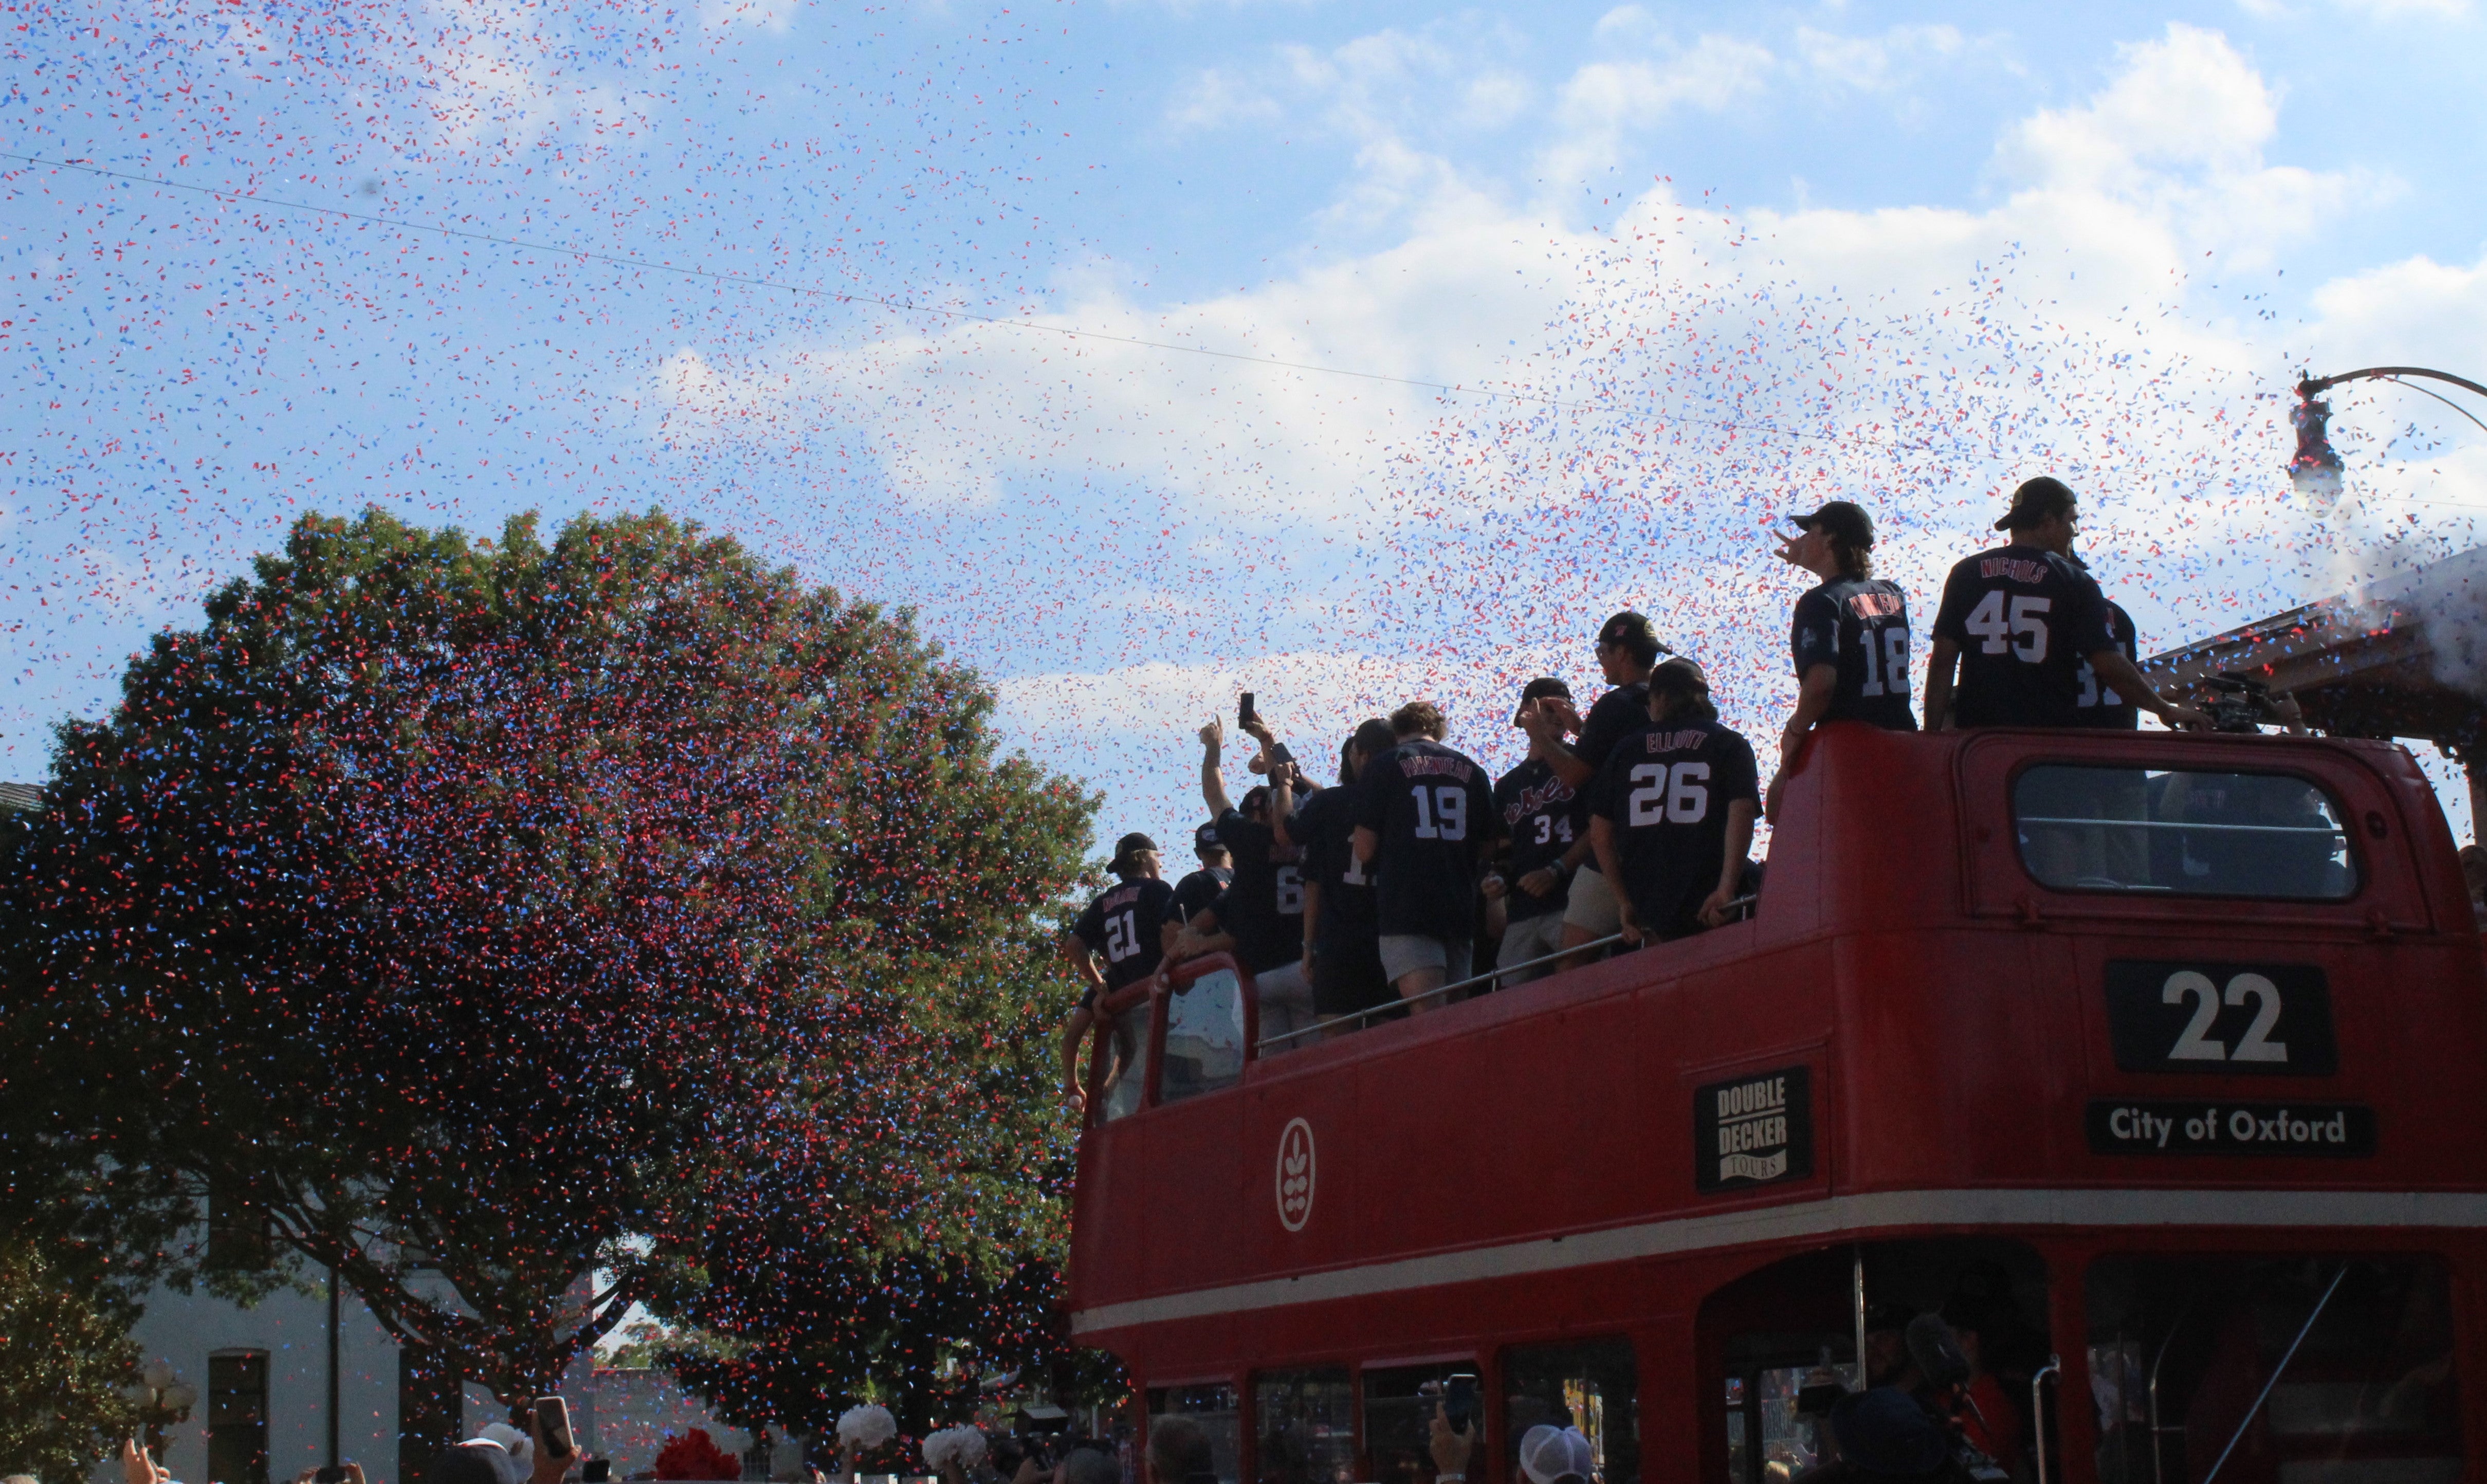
x=1447 y=818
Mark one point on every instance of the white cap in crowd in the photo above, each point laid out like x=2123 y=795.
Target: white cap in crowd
x=1548 y=1454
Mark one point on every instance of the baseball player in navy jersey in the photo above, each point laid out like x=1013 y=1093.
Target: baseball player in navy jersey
x=2018 y=621
x=1849 y=638
x=1627 y=647
x=1119 y=928
x=1423 y=824
x=1543 y=817
x=1672 y=817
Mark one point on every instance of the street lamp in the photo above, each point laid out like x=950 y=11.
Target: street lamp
x=2315 y=469
x=162 y=1399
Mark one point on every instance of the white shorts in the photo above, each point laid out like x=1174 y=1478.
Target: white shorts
x=1591 y=906
x=1285 y=997
x=1529 y=937
x=1405 y=953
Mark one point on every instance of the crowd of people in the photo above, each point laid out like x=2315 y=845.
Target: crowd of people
x=1628 y=825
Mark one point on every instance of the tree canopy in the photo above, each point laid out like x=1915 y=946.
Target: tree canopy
x=501 y=908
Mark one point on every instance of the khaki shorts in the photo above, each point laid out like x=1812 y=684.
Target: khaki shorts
x=1405 y=953
x=1529 y=937
x=1591 y=906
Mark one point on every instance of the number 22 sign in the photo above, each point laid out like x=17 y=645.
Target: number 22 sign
x=2222 y=1020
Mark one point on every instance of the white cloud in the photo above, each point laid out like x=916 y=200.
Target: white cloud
x=1605 y=100
x=1877 y=63
x=2394 y=10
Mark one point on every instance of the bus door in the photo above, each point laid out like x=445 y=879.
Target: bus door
x=1778 y=1348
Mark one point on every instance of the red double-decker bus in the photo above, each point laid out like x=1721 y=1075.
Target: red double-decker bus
x=2152 y=1061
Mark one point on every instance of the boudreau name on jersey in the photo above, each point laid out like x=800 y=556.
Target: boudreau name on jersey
x=2012 y=569
x=1425 y=765
x=1673 y=741
x=1553 y=791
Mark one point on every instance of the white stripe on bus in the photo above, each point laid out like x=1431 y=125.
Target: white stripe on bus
x=1839 y=1215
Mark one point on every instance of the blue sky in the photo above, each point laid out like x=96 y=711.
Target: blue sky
x=1746 y=259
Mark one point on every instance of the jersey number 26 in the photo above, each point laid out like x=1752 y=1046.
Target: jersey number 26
x=1670 y=795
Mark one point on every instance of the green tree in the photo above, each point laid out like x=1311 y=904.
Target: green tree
x=484 y=908
x=65 y=1354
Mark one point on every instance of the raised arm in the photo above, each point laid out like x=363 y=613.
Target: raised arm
x=1546 y=720
x=2117 y=674
x=1213 y=783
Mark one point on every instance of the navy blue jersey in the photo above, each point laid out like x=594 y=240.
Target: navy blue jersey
x=2098 y=705
x=1264 y=906
x=1614 y=716
x=1121 y=926
x=2022 y=618
x=1432 y=810
x=1542 y=816
x=1326 y=828
x=1666 y=792
x=1858 y=626
x=1198 y=891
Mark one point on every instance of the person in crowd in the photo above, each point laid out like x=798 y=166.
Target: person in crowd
x=1179 y=1452
x=2099 y=705
x=1342 y=932
x=1199 y=888
x=1849 y=636
x=1119 y=931
x=1543 y=819
x=1089 y=1461
x=1423 y=825
x=1626 y=648
x=1556 y=1455
x=1674 y=812
x=1886 y=1436
x=1262 y=907
x=2017 y=622
x=1991 y=1420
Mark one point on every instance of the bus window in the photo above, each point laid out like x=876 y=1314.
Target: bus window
x=1591 y=1385
x=2356 y=1353
x=2270 y=835
x=1399 y=1419
x=1125 y=1047
x=1204 y=1039
x=1787 y=1342
x=1216 y=1409
x=1303 y=1430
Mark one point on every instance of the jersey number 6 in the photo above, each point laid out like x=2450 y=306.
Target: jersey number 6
x=1671 y=796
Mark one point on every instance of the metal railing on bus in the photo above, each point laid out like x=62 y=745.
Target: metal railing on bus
x=1741 y=908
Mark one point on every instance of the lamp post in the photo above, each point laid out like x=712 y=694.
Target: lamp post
x=2315 y=469
x=163 y=1400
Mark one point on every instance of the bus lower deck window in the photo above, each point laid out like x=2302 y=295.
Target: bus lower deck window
x=2352 y=1357
x=1303 y=1427
x=1218 y=1411
x=1591 y=1385
x=1399 y=1404
x=2275 y=836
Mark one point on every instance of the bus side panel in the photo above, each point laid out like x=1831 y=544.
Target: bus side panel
x=1198 y=1180
x=1104 y=1235
x=1324 y=1098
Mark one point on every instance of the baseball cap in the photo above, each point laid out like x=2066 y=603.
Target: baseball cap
x=1205 y=838
x=1132 y=845
x=1627 y=627
x=1548 y=1454
x=479 y=1462
x=1538 y=689
x=1679 y=674
x=2035 y=502
x=1843 y=519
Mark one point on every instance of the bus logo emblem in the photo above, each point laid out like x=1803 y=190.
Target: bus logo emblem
x=1296 y=1175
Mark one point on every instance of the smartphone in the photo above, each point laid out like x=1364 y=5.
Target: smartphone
x=552 y=1420
x=1245 y=714
x=596 y=1470
x=1459 y=1402
x=330 y=1473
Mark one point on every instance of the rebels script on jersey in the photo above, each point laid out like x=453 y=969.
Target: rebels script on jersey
x=1859 y=626
x=1666 y=792
x=2022 y=618
x=1433 y=812
x=1122 y=926
x=1543 y=816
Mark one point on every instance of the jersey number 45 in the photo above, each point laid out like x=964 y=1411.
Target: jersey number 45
x=2023 y=630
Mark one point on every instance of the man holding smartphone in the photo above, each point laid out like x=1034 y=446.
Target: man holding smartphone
x=1263 y=908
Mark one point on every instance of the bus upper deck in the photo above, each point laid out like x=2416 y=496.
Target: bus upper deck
x=2088 y=995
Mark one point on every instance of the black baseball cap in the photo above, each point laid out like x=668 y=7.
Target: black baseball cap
x=1635 y=631
x=1130 y=846
x=2035 y=502
x=1679 y=674
x=1840 y=518
x=1538 y=689
x=1205 y=838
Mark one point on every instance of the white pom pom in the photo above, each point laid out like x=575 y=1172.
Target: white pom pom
x=867 y=1426
x=961 y=1447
